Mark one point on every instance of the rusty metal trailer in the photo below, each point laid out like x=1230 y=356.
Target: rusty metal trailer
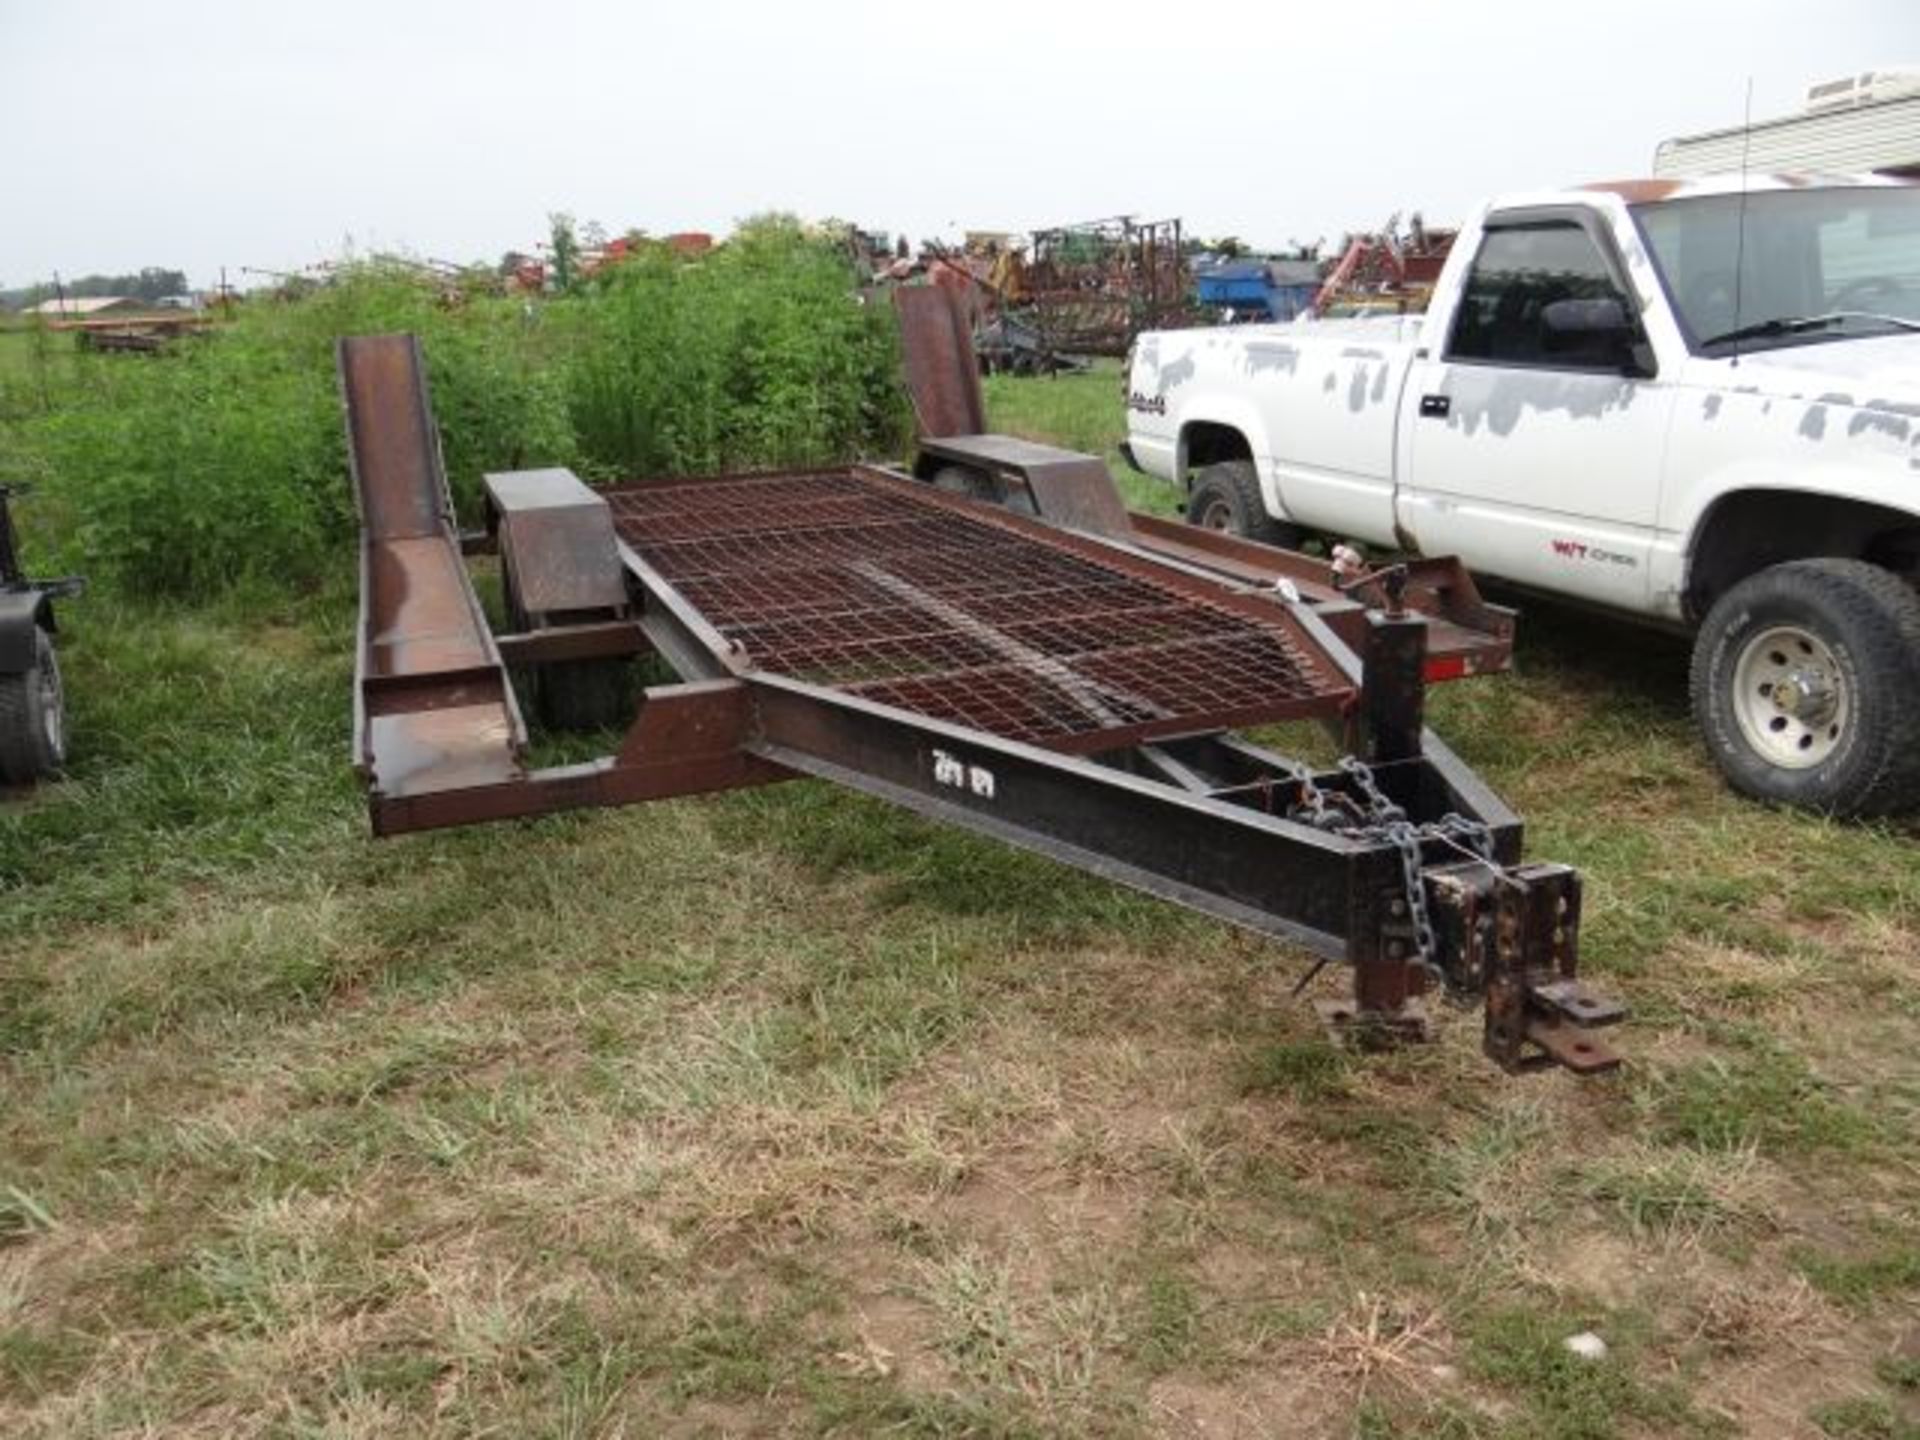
x=988 y=639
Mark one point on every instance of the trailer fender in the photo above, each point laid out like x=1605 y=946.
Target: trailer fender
x=22 y=612
x=556 y=537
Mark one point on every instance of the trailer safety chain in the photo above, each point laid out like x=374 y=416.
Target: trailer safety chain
x=1473 y=836
x=1376 y=817
x=1311 y=806
x=1405 y=836
x=1380 y=810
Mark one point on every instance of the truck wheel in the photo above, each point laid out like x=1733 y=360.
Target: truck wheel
x=33 y=718
x=1226 y=496
x=1806 y=685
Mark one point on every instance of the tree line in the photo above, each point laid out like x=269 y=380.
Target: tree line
x=149 y=284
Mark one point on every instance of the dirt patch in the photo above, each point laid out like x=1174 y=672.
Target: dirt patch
x=1249 y=1408
x=894 y=1337
x=1024 y=1200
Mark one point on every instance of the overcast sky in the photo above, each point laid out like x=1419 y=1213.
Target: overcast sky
x=193 y=134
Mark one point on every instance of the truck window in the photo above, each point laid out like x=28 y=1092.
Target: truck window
x=1520 y=270
x=1804 y=252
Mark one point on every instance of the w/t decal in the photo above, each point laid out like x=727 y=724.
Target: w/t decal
x=1593 y=554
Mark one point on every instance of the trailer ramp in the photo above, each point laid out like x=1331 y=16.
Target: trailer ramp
x=434 y=711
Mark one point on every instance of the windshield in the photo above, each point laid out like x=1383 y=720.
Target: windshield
x=1805 y=254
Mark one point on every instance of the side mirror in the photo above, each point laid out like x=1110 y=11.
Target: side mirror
x=1600 y=331
x=1589 y=320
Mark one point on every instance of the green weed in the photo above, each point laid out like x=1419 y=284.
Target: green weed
x=1863 y=1417
x=1570 y=1397
x=1861 y=1281
x=224 y=462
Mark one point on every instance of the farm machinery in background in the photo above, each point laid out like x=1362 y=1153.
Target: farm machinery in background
x=1385 y=271
x=987 y=637
x=1049 y=300
x=1045 y=301
x=1089 y=289
x=33 y=714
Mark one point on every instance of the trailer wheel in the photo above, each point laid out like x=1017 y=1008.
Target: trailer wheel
x=1806 y=685
x=571 y=694
x=967 y=481
x=33 y=718
x=585 y=695
x=978 y=485
x=1226 y=496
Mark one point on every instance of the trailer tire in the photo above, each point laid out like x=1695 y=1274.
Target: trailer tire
x=33 y=721
x=976 y=484
x=581 y=695
x=1226 y=496
x=1806 y=685
x=966 y=481
x=585 y=694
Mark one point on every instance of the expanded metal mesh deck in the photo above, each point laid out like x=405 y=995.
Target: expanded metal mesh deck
x=859 y=583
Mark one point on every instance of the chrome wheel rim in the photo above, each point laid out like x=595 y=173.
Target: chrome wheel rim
x=1790 y=697
x=1217 y=516
x=52 y=710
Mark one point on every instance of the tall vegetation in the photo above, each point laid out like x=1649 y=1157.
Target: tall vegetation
x=225 y=462
x=760 y=353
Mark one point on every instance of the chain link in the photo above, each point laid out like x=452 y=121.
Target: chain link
x=1375 y=817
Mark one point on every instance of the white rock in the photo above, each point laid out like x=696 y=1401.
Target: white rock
x=1587 y=1345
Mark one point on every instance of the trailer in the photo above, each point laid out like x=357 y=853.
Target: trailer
x=988 y=638
x=33 y=715
x=1855 y=125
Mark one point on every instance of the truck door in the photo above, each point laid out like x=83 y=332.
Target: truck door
x=1534 y=424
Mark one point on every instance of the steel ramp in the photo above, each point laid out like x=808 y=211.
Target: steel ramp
x=433 y=709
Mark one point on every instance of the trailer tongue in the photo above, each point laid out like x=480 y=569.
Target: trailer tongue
x=1060 y=679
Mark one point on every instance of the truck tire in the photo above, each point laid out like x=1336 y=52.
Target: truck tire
x=1806 y=685
x=1226 y=496
x=33 y=719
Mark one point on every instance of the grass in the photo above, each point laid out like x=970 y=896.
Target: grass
x=784 y=1113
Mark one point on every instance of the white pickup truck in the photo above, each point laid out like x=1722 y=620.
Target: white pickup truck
x=1694 y=402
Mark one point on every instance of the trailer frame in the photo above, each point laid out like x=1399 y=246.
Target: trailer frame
x=1109 y=745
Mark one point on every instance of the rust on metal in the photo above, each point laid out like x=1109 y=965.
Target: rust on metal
x=936 y=353
x=1090 y=288
x=1062 y=486
x=392 y=447
x=687 y=739
x=554 y=534
x=1638 y=192
x=959 y=659
x=1465 y=634
x=560 y=644
x=886 y=590
x=433 y=709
